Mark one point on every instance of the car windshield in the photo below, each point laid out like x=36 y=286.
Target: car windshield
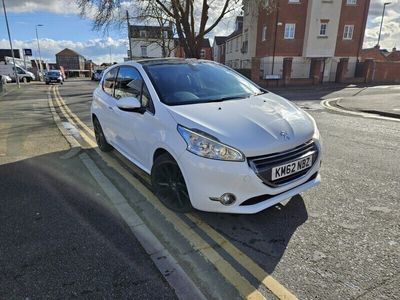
x=53 y=73
x=186 y=82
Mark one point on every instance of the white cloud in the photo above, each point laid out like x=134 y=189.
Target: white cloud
x=96 y=49
x=55 y=6
x=390 y=36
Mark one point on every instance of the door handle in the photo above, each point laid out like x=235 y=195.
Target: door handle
x=110 y=108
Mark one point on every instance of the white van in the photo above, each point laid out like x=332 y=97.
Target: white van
x=23 y=75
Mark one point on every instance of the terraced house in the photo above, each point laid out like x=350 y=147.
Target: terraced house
x=304 y=40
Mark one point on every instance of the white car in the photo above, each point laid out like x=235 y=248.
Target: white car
x=210 y=138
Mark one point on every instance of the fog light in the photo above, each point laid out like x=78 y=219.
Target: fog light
x=225 y=199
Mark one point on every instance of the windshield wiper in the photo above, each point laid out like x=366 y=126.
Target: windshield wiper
x=225 y=98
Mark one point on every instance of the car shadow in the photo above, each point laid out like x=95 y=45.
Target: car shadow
x=263 y=236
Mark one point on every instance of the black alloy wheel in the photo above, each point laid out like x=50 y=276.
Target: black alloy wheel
x=169 y=185
x=100 y=138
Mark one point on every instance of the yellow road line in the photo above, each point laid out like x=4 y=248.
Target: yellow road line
x=267 y=280
x=61 y=105
x=84 y=126
x=245 y=289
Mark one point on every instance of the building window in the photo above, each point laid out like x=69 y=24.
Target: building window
x=237 y=44
x=142 y=33
x=202 y=53
x=144 y=51
x=294 y=1
x=351 y=2
x=348 y=32
x=165 y=34
x=264 y=33
x=290 y=29
x=322 y=29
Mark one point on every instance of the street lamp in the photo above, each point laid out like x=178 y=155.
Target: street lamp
x=383 y=14
x=38 y=45
x=11 y=46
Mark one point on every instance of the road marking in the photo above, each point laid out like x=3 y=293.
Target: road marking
x=269 y=282
x=83 y=125
x=168 y=266
x=327 y=105
x=244 y=287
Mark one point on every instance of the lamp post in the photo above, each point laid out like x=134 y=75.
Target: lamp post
x=11 y=46
x=383 y=14
x=40 y=56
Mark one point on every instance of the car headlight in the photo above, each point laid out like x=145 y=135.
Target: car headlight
x=207 y=147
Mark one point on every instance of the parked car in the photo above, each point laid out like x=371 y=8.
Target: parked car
x=97 y=75
x=23 y=75
x=6 y=78
x=209 y=138
x=53 y=76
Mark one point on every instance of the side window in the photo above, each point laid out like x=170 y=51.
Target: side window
x=130 y=83
x=109 y=81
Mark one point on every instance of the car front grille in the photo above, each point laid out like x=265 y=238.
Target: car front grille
x=262 y=165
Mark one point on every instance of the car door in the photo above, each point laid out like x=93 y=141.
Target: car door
x=107 y=105
x=135 y=127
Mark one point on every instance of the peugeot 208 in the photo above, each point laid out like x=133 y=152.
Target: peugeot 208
x=209 y=138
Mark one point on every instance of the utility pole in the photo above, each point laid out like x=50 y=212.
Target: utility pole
x=129 y=38
x=275 y=34
x=383 y=14
x=11 y=46
x=40 y=56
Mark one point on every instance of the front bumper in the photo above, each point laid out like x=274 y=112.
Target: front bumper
x=207 y=178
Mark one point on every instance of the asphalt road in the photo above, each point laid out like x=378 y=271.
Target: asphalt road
x=337 y=241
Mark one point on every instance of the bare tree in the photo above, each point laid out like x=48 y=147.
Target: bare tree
x=190 y=18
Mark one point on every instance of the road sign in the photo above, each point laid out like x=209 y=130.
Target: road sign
x=27 y=52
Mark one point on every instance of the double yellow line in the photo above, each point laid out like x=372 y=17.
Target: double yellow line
x=244 y=287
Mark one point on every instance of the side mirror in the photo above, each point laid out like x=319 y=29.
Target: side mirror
x=129 y=104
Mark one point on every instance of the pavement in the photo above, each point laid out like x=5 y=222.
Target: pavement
x=361 y=98
x=60 y=237
x=388 y=105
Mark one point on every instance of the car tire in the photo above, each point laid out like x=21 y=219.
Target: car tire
x=47 y=83
x=100 y=138
x=169 y=185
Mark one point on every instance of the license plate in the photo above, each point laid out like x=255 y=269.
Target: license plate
x=291 y=168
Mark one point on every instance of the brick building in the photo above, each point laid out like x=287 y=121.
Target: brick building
x=73 y=64
x=319 y=38
x=205 y=52
x=219 y=49
x=394 y=55
x=373 y=53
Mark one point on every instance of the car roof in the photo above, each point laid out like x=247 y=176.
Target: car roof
x=172 y=60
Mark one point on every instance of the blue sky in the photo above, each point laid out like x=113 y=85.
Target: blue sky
x=63 y=27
